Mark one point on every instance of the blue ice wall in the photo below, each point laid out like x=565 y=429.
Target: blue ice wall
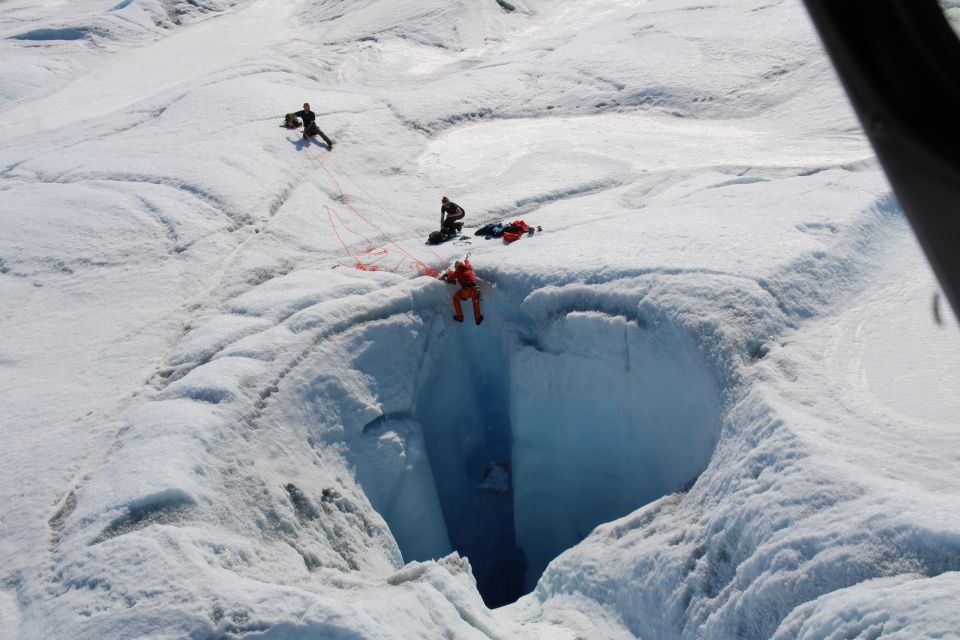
x=606 y=416
x=393 y=467
x=522 y=438
x=463 y=407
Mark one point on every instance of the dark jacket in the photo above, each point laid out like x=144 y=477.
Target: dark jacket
x=452 y=210
x=308 y=117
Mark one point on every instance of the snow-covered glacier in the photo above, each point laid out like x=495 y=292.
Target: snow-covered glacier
x=715 y=397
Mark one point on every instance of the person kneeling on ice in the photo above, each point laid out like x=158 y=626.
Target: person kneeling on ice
x=310 y=127
x=450 y=216
x=462 y=274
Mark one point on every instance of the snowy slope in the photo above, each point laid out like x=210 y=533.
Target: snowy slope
x=711 y=399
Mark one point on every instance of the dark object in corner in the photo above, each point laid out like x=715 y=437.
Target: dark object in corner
x=898 y=61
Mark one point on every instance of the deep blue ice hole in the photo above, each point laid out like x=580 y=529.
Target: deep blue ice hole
x=534 y=435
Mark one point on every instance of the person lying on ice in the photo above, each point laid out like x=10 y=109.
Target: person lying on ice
x=450 y=213
x=462 y=274
x=310 y=127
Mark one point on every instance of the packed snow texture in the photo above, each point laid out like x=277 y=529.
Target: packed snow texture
x=715 y=397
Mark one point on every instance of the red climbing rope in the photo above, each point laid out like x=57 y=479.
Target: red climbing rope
x=380 y=206
x=419 y=266
x=357 y=263
x=369 y=242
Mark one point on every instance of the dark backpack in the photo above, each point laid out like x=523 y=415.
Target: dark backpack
x=290 y=121
x=436 y=237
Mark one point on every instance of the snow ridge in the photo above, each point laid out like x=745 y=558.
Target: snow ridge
x=707 y=401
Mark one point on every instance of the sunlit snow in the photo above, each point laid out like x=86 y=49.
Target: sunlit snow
x=715 y=397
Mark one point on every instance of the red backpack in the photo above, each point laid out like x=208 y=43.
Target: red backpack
x=514 y=230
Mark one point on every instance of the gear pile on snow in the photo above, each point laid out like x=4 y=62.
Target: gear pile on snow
x=447 y=233
x=509 y=231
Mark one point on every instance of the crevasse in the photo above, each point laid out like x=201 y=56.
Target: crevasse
x=523 y=438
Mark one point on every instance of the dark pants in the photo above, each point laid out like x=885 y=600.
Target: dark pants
x=313 y=130
x=452 y=223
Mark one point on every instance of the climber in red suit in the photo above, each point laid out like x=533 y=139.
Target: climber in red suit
x=462 y=274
